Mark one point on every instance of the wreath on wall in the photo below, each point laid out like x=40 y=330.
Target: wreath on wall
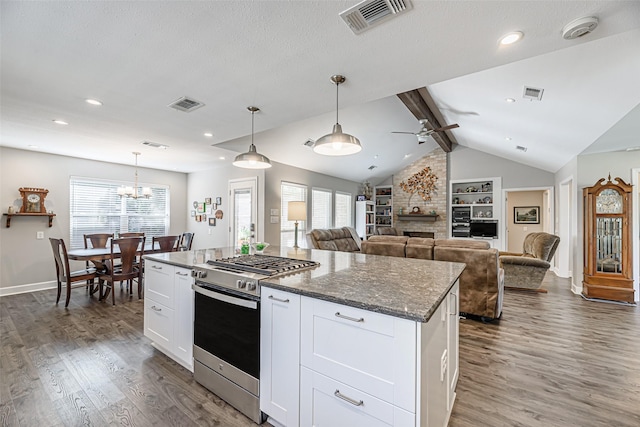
x=423 y=183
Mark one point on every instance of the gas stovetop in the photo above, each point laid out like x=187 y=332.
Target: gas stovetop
x=241 y=274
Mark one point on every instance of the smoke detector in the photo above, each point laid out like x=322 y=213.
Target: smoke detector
x=579 y=27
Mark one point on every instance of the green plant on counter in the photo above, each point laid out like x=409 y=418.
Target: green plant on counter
x=260 y=246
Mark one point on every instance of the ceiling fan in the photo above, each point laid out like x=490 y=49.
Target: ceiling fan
x=424 y=133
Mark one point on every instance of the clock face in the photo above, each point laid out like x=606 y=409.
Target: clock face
x=33 y=198
x=609 y=201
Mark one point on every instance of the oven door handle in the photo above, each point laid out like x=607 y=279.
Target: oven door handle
x=226 y=298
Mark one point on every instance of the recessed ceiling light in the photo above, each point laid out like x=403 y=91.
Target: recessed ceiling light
x=93 y=101
x=508 y=138
x=60 y=122
x=208 y=134
x=510 y=100
x=511 y=37
x=32 y=146
x=406 y=156
x=375 y=157
x=633 y=148
x=221 y=157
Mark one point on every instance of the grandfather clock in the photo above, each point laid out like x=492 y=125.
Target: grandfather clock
x=607 y=241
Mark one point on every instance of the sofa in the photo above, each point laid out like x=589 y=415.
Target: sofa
x=481 y=282
x=343 y=239
x=526 y=270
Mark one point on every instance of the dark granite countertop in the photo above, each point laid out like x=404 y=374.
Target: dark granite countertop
x=402 y=287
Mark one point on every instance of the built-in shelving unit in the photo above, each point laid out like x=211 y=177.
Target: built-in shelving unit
x=383 y=199
x=475 y=208
x=9 y=216
x=365 y=219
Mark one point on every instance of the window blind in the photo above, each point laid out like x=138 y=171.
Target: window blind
x=290 y=192
x=95 y=207
x=321 y=209
x=344 y=210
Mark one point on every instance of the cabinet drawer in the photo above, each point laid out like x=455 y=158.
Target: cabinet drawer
x=158 y=282
x=326 y=402
x=158 y=323
x=369 y=351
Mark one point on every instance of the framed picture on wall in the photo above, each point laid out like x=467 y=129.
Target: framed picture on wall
x=207 y=200
x=200 y=208
x=212 y=222
x=526 y=215
x=218 y=200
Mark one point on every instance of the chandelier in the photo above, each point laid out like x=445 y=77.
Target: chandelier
x=134 y=192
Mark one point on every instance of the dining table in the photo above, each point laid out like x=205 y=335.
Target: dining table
x=99 y=254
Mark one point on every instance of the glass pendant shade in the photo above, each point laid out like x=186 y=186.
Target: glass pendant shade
x=337 y=143
x=252 y=159
x=135 y=192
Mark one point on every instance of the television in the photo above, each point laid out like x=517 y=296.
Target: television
x=484 y=229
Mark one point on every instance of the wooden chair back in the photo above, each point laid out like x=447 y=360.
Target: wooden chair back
x=64 y=275
x=132 y=234
x=124 y=250
x=166 y=243
x=186 y=240
x=97 y=240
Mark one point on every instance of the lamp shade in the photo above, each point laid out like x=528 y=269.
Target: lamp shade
x=252 y=160
x=337 y=143
x=297 y=211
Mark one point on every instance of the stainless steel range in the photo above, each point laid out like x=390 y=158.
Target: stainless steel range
x=226 y=348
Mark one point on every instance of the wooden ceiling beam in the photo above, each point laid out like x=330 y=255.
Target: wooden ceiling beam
x=422 y=106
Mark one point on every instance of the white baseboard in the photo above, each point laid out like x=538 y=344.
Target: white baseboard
x=576 y=289
x=30 y=287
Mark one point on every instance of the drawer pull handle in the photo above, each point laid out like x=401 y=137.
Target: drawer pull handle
x=278 y=299
x=353 y=319
x=348 y=399
x=156 y=267
x=154 y=308
x=181 y=274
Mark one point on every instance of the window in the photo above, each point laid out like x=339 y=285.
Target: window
x=97 y=208
x=321 y=208
x=344 y=213
x=290 y=192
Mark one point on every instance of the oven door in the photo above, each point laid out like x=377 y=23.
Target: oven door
x=228 y=326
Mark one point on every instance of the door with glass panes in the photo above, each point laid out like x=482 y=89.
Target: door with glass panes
x=243 y=211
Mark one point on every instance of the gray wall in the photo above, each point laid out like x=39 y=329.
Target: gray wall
x=280 y=172
x=469 y=163
x=24 y=260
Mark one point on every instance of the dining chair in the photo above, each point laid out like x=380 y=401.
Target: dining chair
x=165 y=243
x=125 y=250
x=64 y=276
x=186 y=240
x=97 y=240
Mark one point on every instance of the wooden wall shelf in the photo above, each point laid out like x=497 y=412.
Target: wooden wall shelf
x=9 y=216
x=418 y=217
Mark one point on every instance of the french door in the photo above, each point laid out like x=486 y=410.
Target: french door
x=243 y=208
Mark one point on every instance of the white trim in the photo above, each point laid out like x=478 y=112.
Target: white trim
x=635 y=230
x=29 y=287
x=551 y=214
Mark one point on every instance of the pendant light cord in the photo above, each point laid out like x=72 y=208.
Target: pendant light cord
x=337 y=84
x=252 y=113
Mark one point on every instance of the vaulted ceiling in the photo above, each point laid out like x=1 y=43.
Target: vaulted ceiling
x=137 y=57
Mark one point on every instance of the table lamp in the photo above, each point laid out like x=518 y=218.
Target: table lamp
x=297 y=212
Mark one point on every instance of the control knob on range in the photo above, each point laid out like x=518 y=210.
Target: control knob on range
x=198 y=274
x=241 y=284
x=251 y=286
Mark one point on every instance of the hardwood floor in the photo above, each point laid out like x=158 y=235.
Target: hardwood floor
x=553 y=360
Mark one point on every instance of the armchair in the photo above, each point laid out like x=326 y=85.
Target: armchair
x=527 y=269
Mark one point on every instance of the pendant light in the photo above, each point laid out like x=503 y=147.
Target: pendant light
x=337 y=143
x=252 y=159
x=135 y=192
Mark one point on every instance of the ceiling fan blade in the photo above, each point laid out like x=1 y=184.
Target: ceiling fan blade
x=453 y=126
x=408 y=133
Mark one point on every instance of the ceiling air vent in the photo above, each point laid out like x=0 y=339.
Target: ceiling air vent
x=155 y=145
x=369 y=13
x=521 y=148
x=186 y=104
x=532 y=93
x=309 y=142
x=372 y=167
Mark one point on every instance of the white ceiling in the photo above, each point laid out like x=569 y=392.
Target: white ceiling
x=137 y=57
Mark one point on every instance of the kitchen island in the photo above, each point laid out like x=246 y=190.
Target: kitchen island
x=358 y=339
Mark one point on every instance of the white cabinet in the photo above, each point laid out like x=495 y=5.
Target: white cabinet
x=280 y=355
x=365 y=219
x=168 y=310
x=343 y=366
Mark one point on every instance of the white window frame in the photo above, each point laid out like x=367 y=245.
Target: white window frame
x=327 y=220
x=348 y=214
x=101 y=210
